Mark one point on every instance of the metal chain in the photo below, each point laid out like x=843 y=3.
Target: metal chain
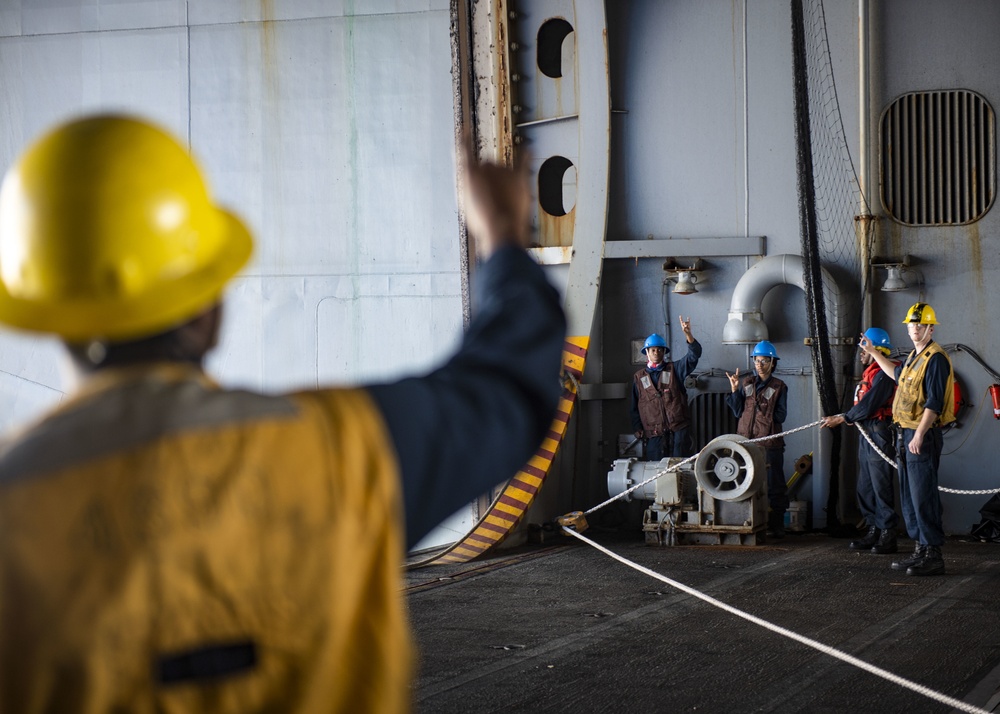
x=892 y=462
x=662 y=472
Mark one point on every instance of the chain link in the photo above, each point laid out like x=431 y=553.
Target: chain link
x=892 y=462
x=662 y=472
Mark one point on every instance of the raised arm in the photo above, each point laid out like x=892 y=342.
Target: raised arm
x=475 y=421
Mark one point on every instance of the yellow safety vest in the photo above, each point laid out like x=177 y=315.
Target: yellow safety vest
x=908 y=404
x=169 y=546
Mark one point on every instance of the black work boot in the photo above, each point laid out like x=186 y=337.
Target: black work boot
x=867 y=540
x=919 y=551
x=886 y=543
x=932 y=563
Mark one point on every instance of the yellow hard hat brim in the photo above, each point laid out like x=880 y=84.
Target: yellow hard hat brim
x=160 y=308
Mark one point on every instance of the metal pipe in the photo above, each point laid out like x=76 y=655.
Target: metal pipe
x=746 y=135
x=865 y=224
x=746 y=322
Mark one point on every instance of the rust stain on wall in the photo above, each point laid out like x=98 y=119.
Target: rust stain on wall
x=557 y=83
x=270 y=119
x=505 y=130
x=976 y=273
x=556 y=230
x=975 y=255
x=893 y=238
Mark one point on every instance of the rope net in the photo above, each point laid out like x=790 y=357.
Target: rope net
x=829 y=200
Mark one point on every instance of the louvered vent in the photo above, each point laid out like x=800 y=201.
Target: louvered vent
x=938 y=158
x=710 y=417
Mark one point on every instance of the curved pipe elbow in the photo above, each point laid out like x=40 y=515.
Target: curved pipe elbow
x=746 y=321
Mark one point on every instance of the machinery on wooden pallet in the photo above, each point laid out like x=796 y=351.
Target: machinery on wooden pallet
x=719 y=499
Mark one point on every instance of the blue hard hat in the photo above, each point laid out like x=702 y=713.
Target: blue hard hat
x=655 y=340
x=765 y=349
x=879 y=339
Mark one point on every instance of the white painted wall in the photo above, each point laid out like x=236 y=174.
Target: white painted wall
x=327 y=126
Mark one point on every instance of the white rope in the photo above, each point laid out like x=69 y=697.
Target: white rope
x=892 y=462
x=655 y=476
x=784 y=433
x=825 y=649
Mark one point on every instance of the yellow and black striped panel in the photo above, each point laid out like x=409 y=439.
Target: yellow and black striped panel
x=509 y=507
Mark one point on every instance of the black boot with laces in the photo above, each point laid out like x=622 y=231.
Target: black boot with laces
x=886 y=543
x=867 y=541
x=919 y=551
x=931 y=564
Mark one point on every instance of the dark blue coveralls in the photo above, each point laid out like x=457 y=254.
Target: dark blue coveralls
x=875 y=491
x=680 y=443
x=919 y=497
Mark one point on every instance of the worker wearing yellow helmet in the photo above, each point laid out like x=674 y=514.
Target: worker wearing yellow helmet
x=924 y=402
x=170 y=545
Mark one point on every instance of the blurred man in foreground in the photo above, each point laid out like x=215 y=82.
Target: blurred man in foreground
x=167 y=545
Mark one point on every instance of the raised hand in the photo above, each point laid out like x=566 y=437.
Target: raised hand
x=496 y=201
x=686 y=327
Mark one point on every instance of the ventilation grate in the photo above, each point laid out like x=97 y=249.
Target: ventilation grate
x=710 y=417
x=938 y=158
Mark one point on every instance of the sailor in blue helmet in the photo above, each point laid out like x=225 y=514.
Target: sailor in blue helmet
x=872 y=410
x=659 y=405
x=760 y=402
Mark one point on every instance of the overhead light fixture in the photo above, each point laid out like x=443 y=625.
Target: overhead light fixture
x=685 y=283
x=897 y=266
x=894 y=283
x=683 y=274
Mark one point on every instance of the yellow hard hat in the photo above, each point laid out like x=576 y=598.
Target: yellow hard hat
x=107 y=231
x=921 y=313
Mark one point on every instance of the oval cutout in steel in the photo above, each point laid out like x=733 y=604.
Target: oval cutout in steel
x=557 y=186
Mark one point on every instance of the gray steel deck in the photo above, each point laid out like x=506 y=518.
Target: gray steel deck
x=564 y=628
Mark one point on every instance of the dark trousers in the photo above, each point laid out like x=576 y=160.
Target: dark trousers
x=875 y=491
x=673 y=443
x=777 y=489
x=918 y=486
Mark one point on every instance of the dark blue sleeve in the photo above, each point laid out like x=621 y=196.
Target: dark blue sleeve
x=472 y=423
x=736 y=400
x=633 y=408
x=687 y=365
x=936 y=382
x=878 y=395
x=781 y=408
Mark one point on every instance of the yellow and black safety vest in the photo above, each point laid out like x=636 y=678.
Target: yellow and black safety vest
x=215 y=551
x=908 y=404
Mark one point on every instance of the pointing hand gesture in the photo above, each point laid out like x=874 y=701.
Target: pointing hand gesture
x=734 y=379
